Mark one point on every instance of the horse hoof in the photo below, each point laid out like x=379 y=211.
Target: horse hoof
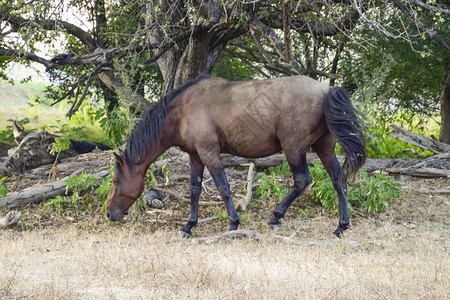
x=340 y=230
x=186 y=232
x=234 y=227
x=275 y=227
x=338 y=233
x=185 y=235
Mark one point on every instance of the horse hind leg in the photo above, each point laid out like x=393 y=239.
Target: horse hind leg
x=196 y=168
x=302 y=178
x=324 y=148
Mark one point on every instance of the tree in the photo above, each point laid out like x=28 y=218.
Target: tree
x=120 y=41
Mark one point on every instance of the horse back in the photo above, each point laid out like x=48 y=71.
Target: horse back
x=249 y=118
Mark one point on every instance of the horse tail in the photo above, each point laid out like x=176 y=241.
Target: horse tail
x=343 y=121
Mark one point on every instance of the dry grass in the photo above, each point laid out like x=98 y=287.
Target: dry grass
x=403 y=253
x=118 y=263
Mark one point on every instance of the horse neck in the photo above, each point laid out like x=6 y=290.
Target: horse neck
x=158 y=148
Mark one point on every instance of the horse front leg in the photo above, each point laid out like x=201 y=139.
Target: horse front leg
x=220 y=179
x=197 y=168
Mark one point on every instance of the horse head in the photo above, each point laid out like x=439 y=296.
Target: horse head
x=126 y=187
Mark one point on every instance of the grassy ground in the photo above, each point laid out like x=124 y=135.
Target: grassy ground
x=27 y=100
x=402 y=253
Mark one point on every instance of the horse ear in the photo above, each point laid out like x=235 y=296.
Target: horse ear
x=119 y=157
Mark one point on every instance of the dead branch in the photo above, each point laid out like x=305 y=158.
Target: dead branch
x=422 y=172
x=183 y=199
x=418 y=140
x=248 y=197
x=235 y=234
x=76 y=106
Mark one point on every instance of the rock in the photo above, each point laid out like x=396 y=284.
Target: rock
x=10 y=220
x=153 y=198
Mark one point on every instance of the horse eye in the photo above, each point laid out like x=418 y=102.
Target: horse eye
x=116 y=181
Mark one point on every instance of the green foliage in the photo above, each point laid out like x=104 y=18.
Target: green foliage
x=380 y=145
x=380 y=78
x=60 y=144
x=3 y=189
x=373 y=193
x=269 y=186
x=222 y=215
x=115 y=123
x=79 y=200
x=103 y=190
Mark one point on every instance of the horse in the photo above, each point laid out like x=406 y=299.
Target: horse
x=257 y=118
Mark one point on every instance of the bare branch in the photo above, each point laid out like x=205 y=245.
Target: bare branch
x=30 y=56
x=431 y=8
x=161 y=49
x=84 y=37
x=428 y=30
x=260 y=47
x=268 y=33
x=75 y=108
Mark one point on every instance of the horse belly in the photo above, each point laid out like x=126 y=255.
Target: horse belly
x=245 y=140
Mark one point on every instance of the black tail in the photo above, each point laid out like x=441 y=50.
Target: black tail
x=343 y=121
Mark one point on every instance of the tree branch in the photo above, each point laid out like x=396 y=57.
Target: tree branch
x=428 y=30
x=76 y=106
x=84 y=37
x=431 y=8
x=30 y=56
x=268 y=33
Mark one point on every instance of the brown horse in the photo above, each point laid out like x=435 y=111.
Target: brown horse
x=209 y=116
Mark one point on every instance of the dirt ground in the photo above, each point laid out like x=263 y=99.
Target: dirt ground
x=402 y=253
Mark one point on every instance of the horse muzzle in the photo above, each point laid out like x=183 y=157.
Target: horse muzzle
x=115 y=215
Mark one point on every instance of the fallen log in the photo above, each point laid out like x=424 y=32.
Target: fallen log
x=418 y=140
x=35 y=149
x=422 y=172
x=229 y=160
x=43 y=192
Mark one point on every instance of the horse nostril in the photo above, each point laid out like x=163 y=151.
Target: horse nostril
x=108 y=215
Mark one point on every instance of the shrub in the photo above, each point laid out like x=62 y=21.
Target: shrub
x=373 y=193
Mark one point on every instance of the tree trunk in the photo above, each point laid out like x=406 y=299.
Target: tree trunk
x=194 y=60
x=444 y=135
x=160 y=15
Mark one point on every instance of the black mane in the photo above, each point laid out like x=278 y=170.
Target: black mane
x=147 y=131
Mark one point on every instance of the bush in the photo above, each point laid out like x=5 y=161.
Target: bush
x=373 y=193
x=79 y=201
x=269 y=186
